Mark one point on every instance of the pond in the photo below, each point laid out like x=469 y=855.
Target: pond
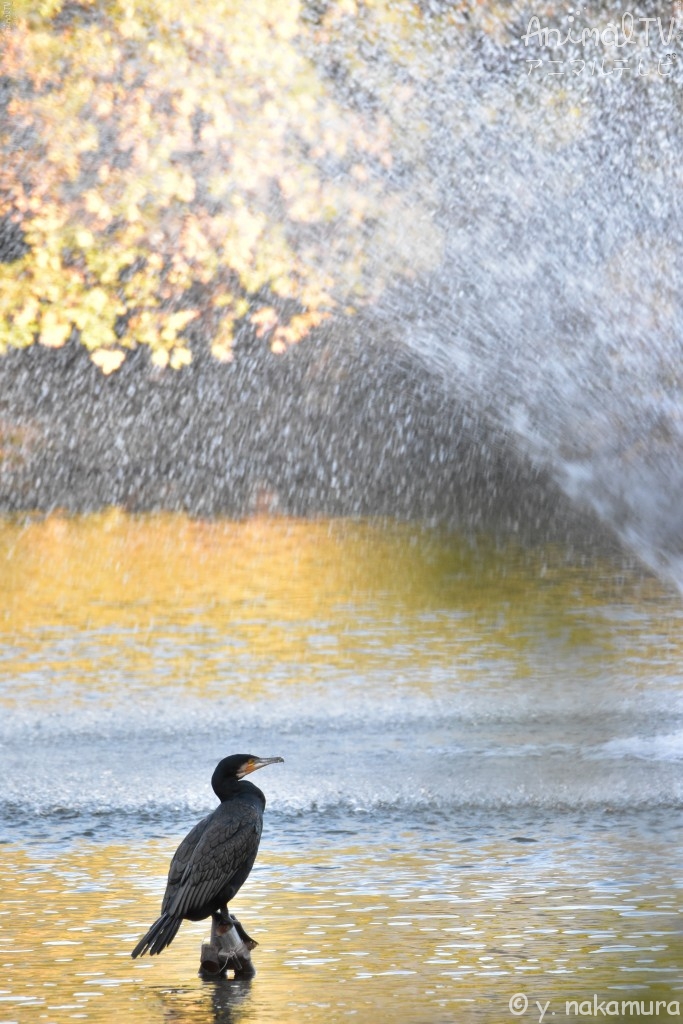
x=479 y=813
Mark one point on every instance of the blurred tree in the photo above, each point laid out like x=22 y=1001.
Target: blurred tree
x=172 y=167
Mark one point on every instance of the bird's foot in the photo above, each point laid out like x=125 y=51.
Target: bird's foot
x=223 y=920
x=246 y=939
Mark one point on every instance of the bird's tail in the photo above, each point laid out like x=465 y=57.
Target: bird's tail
x=159 y=936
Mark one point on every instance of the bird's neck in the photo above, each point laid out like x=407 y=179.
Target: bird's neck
x=231 y=789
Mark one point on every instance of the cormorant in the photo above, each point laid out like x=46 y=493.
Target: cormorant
x=215 y=857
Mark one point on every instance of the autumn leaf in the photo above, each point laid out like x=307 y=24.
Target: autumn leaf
x=180 y=357
x=108 y=359
x=54 y=331
x=264 y=320
x=29 y=313
x=96 y=300
x=178 y=321
x=160 y=358
x=221 y=346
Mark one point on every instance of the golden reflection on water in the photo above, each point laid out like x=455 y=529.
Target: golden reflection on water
x=286 y=594
x=445 y=933
x=407 y=929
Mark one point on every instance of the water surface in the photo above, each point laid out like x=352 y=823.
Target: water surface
x=482 y=782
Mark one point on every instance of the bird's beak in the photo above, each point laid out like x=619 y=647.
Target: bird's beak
x=259 y=762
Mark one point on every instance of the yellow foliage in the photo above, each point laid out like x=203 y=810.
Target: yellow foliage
x=48 y=8
x=264 y=320
x=108 y=359
x=160 y=358
x=178 y=321
x=94 y=203
x=54 y=330
x=84 y=238
x=96 y=300
x=180 y=357
x=29 y=314
x=293 y=332
x=221 y=346
x=154 y=139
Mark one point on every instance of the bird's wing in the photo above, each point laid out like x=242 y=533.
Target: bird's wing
x=226 y=845
x=181 y=859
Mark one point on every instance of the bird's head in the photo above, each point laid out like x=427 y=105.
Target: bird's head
x=236 y=767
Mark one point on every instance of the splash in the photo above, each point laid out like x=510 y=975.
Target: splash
x=497 y=185
x=554 y=314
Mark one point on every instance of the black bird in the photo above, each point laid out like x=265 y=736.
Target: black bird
x=214 y=860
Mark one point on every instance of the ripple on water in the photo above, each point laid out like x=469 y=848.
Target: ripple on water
x=462 y=814
x=407 y=928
